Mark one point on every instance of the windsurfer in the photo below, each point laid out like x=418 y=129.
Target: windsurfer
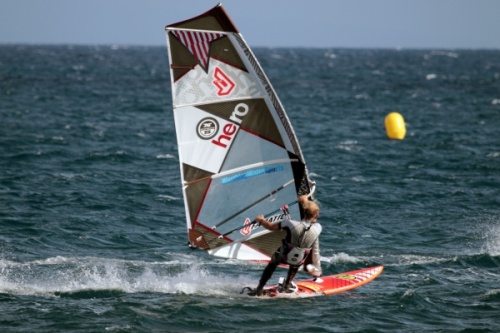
x=299 y=247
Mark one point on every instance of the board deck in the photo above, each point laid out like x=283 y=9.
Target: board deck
x=328 y=285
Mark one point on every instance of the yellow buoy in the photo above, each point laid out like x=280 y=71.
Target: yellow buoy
x=395 y=126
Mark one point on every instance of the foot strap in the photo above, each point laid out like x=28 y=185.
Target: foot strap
x=252 y=291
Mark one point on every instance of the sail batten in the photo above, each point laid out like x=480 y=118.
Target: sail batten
x=238 y=153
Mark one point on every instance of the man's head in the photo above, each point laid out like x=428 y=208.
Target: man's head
x=311 y=210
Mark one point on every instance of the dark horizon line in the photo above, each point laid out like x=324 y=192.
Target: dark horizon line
x=395 y=48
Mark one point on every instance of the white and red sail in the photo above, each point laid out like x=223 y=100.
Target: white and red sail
x=239 y=156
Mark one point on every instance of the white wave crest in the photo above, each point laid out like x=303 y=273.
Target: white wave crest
x=56 y=275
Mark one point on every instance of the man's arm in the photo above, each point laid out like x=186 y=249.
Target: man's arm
x=266 y=224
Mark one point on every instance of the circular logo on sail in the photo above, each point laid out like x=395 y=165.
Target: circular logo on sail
x=207 y=128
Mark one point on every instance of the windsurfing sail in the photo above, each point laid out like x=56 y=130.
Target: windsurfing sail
x=238 y=153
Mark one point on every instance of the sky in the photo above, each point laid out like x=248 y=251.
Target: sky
x=443 y=24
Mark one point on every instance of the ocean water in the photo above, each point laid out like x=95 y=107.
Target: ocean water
x=93 y=237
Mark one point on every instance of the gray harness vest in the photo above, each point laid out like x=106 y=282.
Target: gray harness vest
x=295 y=255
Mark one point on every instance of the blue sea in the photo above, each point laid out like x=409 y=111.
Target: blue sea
x=93 y=235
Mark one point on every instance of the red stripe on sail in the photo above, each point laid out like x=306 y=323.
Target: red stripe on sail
x=198 y=43
x=203 y=45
